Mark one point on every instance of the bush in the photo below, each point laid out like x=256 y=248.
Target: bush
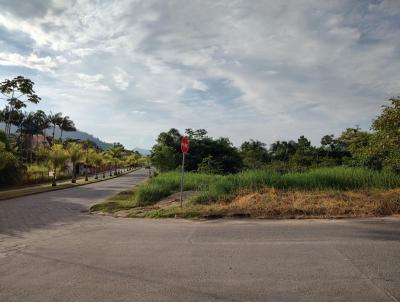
x=11 y=169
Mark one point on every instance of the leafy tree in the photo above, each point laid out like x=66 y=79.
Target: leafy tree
x=386 y=138
x=305 y=154
x=358 y=143
x=210 y=166
x=332 y=151
x=166 y=154
x=10 y=168
x=165 y=158
x=254 y=154
x=282 y=150
x=17 y=92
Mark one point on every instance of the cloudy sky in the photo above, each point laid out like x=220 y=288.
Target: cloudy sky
x=126 y=70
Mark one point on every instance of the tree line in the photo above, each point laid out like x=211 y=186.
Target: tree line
x=21 y=155
x=377 y=149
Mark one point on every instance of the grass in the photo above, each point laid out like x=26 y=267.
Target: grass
x=338 y=178
x=276 y=203
x=215 y=192
x=37 y=173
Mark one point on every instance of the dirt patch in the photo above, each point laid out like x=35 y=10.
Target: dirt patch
x=173 y=199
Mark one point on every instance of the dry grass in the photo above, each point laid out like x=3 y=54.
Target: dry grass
x=274 y=203
x=271 y=203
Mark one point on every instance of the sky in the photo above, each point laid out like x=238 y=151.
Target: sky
x=270 y=70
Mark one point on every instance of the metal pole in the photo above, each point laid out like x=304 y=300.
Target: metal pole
x=183 y=170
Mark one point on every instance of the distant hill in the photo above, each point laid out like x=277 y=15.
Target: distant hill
x=143 y=152
x=81 y=135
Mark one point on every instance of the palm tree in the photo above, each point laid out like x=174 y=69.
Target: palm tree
x=66 y=125
x=75 y=153
x=41 y=124
x=98 y=161
x=90 y=160
x=55 y=120
x=29 y=127
x=116 y=154
x=57 y=159
x=108 y=161
x=104 y=162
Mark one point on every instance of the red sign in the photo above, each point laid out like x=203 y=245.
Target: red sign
x=185 y=144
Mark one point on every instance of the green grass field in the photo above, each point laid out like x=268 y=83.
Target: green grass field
x=213 y=188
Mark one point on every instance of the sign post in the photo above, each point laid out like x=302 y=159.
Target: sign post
x=184 y=149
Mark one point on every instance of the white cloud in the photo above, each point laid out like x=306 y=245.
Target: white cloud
x=121 y=78
x=90 y=78
x=262 y=69
x=91 y=82
x=45 y=64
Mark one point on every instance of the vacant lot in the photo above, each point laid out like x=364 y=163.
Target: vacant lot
x=330 y=192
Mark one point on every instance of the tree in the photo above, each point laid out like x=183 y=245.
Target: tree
x=164 y=158
x=55 y=119
x=133 y=160
x=305 y=154
x=66 y=125
x=94 y=160
x=116 y=154
x=386 y=138
x=75 y=153
x=332 y=151
x=98 y=161
x=41 y=123
x=210 y=166
x=358 y=143
x=29 y=128
x=58 y=157
x=282 y=150
x=10 y=168
x=254 y=154
x=17 y=93
x=166 y=153
x=108 y=161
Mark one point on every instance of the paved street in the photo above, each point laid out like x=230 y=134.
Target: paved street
x=51 y=249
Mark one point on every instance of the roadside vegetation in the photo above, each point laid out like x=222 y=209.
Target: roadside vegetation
x=31 y=153
x=354 y=174
x=325 y=191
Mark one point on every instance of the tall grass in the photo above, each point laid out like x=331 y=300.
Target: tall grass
x=36 y=173
x=167 y=183
x=215 y=187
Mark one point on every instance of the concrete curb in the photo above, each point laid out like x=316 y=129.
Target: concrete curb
x=63 y=186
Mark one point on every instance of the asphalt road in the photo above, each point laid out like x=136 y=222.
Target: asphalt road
x=51 y=249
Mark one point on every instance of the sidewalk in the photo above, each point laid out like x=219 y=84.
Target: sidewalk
x=63 y=184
